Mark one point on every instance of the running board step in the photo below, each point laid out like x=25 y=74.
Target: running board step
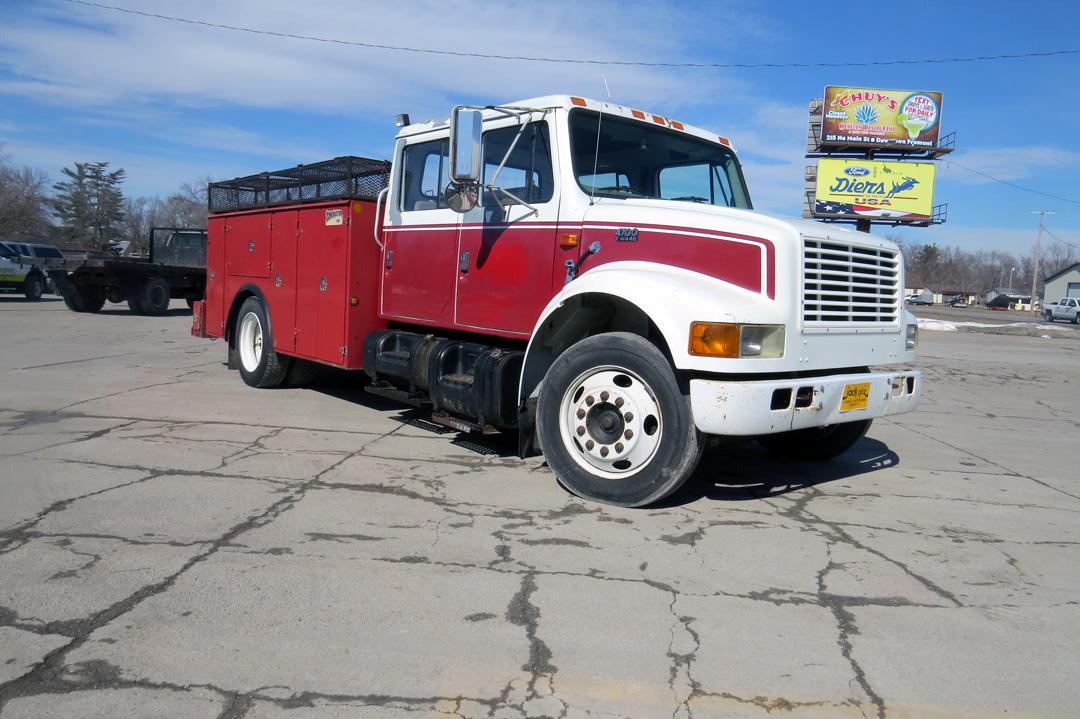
x=461 y=425
x=398 y=395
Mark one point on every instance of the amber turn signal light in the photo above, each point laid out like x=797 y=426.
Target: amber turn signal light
x=714 y=339
x=568 y=241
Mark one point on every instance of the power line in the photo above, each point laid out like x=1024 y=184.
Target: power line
x=1064 y=242
x=951 y=161
x=575 y=61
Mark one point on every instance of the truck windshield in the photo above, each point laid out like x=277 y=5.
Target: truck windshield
x=640 y=160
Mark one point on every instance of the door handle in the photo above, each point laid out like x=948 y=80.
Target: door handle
x=463 y=262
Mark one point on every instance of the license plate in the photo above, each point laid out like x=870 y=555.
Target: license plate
x=856 y=396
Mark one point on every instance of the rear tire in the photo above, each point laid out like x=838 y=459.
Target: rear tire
x=301 y=373
x=33 y=287
x=816 y=443
x=260 y=366
x=614 y=424
x=154 y=296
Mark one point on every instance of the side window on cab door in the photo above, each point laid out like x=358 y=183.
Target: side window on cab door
x=426 y=169
x=527 y=171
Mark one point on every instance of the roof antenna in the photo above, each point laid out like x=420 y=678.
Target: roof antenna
x=596 y=154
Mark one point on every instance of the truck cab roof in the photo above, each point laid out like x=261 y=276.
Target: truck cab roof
x=569 y=102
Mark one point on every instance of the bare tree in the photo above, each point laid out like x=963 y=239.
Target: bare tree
x=24 y=213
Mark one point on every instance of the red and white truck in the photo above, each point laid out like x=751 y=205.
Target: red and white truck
x=590 y=276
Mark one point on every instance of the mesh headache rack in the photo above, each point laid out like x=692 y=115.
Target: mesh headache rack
x=343 y=178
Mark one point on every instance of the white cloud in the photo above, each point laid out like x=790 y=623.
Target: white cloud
x=108 y=58
x=973 y=238
x=1006 y=163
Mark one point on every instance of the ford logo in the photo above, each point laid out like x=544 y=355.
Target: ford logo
x=857 y=171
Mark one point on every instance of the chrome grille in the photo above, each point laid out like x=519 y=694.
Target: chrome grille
x=846 y=285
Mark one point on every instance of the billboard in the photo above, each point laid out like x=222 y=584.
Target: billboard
x=888 y=119
x=874 y=189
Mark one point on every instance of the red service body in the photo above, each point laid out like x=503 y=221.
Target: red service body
x=316 y=267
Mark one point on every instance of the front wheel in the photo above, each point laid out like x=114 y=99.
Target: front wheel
x=817 y=443
x=260 y=365
x=614 y=424
x=154 y=296
x=1049 y=316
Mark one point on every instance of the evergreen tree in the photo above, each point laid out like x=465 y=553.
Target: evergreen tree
x=90 y=204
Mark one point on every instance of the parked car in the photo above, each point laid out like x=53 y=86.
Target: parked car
x=957 y=302
x=17 y=270
x=1067 y=308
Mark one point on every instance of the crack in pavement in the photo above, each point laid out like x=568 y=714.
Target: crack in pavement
x=46 y=672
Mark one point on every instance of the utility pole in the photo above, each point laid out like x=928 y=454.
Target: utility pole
x=1038 y=245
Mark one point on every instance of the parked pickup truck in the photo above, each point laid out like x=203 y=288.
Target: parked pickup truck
x=1067 y=308
x=19 y=270
x=589 y=276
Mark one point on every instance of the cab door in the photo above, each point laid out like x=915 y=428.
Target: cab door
x=507 y=244
x=420 y=239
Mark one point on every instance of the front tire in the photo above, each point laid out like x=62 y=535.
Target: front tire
x=816 y=443
x=1049 y=316
x=614 y=424
x=260 y=366
x=84 y=299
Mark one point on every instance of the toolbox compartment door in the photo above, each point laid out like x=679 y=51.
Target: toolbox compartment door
x=247 y=245
x=322 y=291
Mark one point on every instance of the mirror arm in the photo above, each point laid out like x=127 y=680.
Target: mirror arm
x=496 y=190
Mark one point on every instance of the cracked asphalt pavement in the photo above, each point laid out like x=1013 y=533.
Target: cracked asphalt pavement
x=176 y=544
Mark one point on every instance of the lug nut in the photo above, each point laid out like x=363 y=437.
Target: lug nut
x=580 y=431
x=581 y=414
x=589 y=444
x=619 y=401
x=603 y=451
x=629 y=416
x=628 y=434
x=604 y=395
x=589 y=400
x=618 y=447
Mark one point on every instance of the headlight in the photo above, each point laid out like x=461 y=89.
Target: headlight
x=727 y=339
x=912 y=337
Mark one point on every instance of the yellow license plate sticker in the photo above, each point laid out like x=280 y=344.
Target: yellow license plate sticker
x=856 y=396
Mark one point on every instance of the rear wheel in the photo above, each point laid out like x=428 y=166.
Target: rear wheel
x=33 y=287
x=301 y=372
x=819 y=443
x=154 y=296
x=260 y=365
x=614 y=424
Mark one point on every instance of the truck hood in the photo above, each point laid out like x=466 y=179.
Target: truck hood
x=754 y=251
x=776 y=228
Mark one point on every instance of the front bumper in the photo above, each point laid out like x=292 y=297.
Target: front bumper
x=753 y=407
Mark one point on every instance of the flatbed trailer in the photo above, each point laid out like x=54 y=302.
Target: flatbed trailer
x=174 y=269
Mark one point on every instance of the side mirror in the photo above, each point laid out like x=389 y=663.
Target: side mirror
x=465 y=133
x=462 y=196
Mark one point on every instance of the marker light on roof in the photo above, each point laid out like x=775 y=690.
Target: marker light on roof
x=638 y=114
x=677 y=125
x=725 y=141
x=659 y=120
x=579 y=101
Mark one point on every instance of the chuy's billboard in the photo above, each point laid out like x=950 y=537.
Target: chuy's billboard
x=873 y=188
x=900 y=119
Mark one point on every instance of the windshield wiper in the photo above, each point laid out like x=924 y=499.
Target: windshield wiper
x=621 y=190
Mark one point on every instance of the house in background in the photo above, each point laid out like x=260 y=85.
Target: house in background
x=1065 y=283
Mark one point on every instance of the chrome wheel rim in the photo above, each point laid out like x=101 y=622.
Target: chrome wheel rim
x=610 y=422
x=251 y=342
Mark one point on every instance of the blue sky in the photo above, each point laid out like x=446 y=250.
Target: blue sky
x=172 y=103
